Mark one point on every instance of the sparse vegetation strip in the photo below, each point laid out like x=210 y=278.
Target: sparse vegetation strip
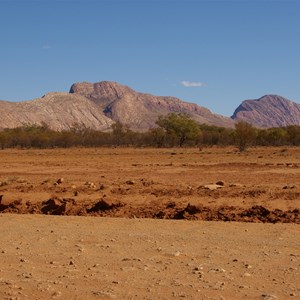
x=171 y=131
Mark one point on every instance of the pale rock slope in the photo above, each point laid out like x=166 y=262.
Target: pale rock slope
x=268 y=111
x=58 y=110
x=140 y=111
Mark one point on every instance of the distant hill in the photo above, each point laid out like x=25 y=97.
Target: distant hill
x=140 y=111
x=268 y=111
x=99 y=105
x=58 y=110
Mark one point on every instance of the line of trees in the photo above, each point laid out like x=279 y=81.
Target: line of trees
x=172 y=130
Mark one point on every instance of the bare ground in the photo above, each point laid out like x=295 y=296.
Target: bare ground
x=88 y=257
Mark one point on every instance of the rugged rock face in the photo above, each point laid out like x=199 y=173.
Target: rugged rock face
x=140 y=111
x=99 y=105
x=268 y=111
x=58 y=110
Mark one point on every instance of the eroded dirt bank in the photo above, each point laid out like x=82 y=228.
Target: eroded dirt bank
x=169 y=210
x=260 y=185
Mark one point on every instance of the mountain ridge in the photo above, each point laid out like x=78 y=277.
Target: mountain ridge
x=58 y=110
x=140 y=110
x=99 y=105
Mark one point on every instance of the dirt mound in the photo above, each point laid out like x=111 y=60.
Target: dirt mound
x=169 y=210
x=103 y=206
x=57 y=206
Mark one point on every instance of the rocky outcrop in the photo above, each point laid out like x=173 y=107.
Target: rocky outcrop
x=268 y=111
x=140 y=111
x=99 y=105
x=58 y=110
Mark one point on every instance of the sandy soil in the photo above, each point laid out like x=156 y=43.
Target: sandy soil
x=101 y=258
x=85 y=256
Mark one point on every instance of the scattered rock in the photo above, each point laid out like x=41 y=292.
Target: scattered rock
x=289 y=187
x=104 y=205
x=220 y=182
x=130 y=182
x=59 y=180
x=102 y=187
x=268 y=297
x=57 y=206
x=212 y=187
x=90 y=185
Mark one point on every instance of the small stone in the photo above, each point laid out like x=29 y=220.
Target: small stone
x=71 y=263
x=56 y=294
x=177 y=253
x=220 y=182
x=243 y=287
x=59 y=180
x=220 y=270
x=219 y=285
x=268 y=297
x=130 y=182
x=27 y=275
x=212 y=187
x=288 y=187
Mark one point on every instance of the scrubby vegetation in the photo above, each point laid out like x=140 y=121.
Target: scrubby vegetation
x=171 y=131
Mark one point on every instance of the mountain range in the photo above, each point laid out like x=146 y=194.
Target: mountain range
x=99 y=105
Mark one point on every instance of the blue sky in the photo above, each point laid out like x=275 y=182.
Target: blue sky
x=213 y=53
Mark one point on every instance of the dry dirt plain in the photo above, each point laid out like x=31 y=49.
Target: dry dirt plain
x=207 y=223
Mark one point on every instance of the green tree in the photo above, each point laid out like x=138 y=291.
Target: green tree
x=276 y=136
x=118 y=132
x=157 y=137
x=293 y=132
x=245 y=135
x=179 y=125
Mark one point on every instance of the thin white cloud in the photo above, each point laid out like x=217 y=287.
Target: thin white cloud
x=46 y=46
x=192 y=83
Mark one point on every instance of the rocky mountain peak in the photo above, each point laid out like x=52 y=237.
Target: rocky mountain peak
x=103 y=92
x=140 y=111
x=268 y=111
